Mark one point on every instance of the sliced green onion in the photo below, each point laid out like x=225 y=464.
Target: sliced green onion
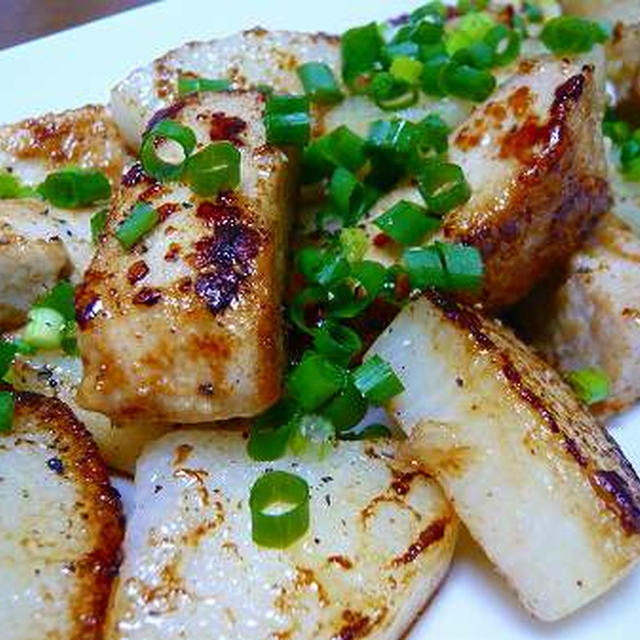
x=471 y=28
x=332 y=268
x=425 y=268
x=405 y=48
x=618 y=130
x=214 y=169
x=504 y=44
x=346 y=409
x=8 y=352
x=393 y=139
x=61 y=298
x=73 y=188
x=407 y=223
x=278 y=530
x=69 y=342
x=98 y=224
x=370 y=432
x=11 y=187
x=44 y=329
x=310 y=298
x=188 y=84
x=319 y=83
x=140 y=221
x=269 y=433
x=354 y=243
x=337 y=343
x=23 y=348
x=312 y=435
x=466 y=82
x=463 y=266
x=368 y=278
x=590 y=384
x=570 y=34
x=443 y=186
x=532 y=11
x=361 y=53
x=7 y=408
x=315 y=381
x=390 y=93
x=287 y=120
x=166 y=130
x=432 y=72
x=340 y=148
x=406 y=69
x=479 y=55
x=377 y=381
x=435 y=11
x=347 y=194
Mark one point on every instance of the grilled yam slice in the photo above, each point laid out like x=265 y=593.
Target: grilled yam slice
x=186 y=327
x=60 y=527
x=28 y=267
x=590 y=317
x=380 y=542
x=534 y=158
x=538 y=483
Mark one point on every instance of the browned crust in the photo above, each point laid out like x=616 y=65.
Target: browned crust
x=553 y=204
x=86 y=137
x=99 y=506
x=575 y=432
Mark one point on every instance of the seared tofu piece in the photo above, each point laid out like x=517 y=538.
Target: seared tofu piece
x=28 y=268
x=58 y=375
x=626 y=11
x=60 y=526
x=379 y=543
x=590 y=317
x=534 y=158
x=539 y=484
x=33 y=148
x=186 y=327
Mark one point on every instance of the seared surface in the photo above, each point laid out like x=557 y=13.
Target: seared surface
x=186 y=327
x=60 y=526
x=380 y=542
x=539 y=484
x=590 y=317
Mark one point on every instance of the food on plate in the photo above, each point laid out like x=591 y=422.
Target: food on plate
x=379 y=544
x=182 y=324
x=264 y=278
x=61 y=525
x=539 y=484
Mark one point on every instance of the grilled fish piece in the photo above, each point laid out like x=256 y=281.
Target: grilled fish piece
x=539 y=484
x=28 y=267
x=379 y=544
x=61 y=526
x=534 y=158
x=186 y=327
x=33 y=148
x=590 y=316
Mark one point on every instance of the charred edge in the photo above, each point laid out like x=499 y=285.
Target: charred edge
x=402 y=481
x=619 y=498
x=135 y=175
x=154 y=190
x=355 y=626
x=137 y=271
x=167 y=113
x=147 y=296
x=432 y=534
x=165 y=210
x=223 y=127
x=341 y=561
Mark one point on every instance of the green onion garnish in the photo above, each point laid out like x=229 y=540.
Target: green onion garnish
x=340 y=148
x=407 y=223
x=61 y=298
x=391 y=93
x=425 y=268
x=278 y=530
x=361 y=52
x=214 y=169
x=44 y=329
x=315 y=381
x=166 y=130
x=377 y=381
x=310 y=298
x=98 y=224
x=7 y=407
x=443 y=186
x=312 y=435
x=287 y=120
x=346 y=409
x=337 y=343
x=140 y=221
x=73 y=188
x=347 y=194
x=11 y=187
x=368 y=279
x=463 y=266
x=473 y=27
x=504 y=44
x=406 y=69
x=570 y=34
x=8 y=351
x=193 y=84
x=590 y=384
x=269 y=434
x=479 y=55
x=466 y=82
x=354 y=243
x=319 y=83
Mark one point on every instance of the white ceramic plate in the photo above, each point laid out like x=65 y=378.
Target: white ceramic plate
x=79 y=66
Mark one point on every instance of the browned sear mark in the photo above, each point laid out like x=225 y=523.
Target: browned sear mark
x=147 y=296
x=137 y=271
x=432 y=534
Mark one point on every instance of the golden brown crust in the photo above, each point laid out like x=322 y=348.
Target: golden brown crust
x=98 y=505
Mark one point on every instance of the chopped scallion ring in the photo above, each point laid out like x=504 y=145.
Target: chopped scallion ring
x=140 y=221
x=319 y=83
x=8 y=352
x=11 y=187
x=270 y=432
x=464 y=81
x=463 y=265
x=406 y=70
x=98 y=224
x=377 y=381
x=188 y=84
x=570 y=34
x=61 y=298
x=7 y=408
x=214 y=169
x=337 y=342
x=407 y=223
x=340 y=148
x=312 y=435
x=590 y=384
x=287 y=120
x=361 y=51
x=161 y=131
x=368 y=279
x=390 y=93
x=346 y=409
x=315 y=381
x=443 y=186
x=347 y=194
x=73 y=188
x=504 y=44
x=306 y=308
x=282 y=490
x=425 y=268
x=44 y=329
